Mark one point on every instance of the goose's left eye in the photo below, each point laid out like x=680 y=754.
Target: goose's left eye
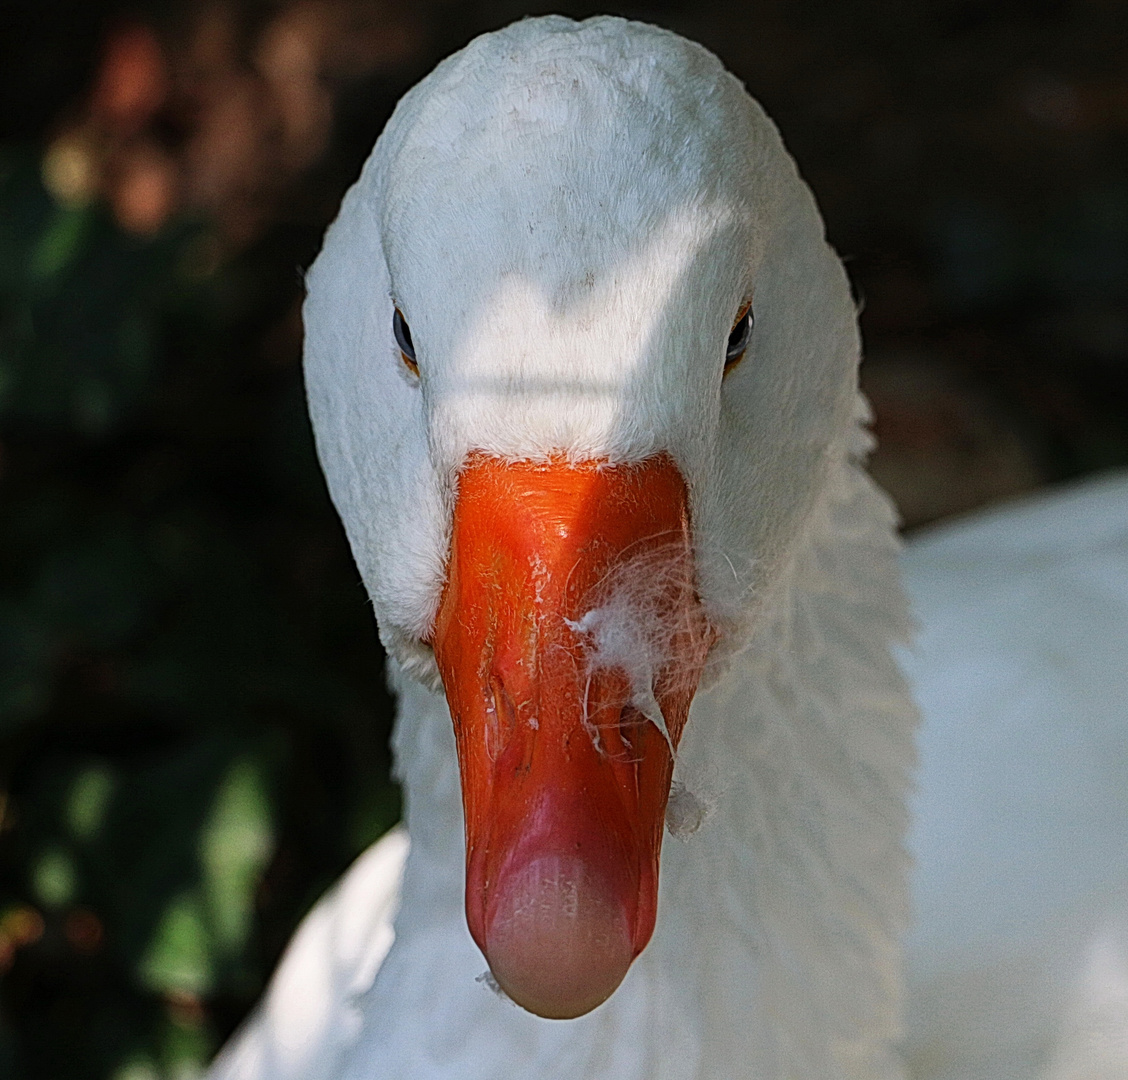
x=738 y=338
x=403 y=339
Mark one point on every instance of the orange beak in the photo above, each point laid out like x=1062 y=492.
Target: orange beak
x=569 y=633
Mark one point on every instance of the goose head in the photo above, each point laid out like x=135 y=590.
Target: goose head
x=578 y=358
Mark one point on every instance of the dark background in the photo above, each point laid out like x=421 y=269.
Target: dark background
x=193 y=724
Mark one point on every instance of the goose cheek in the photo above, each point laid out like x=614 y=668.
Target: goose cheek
x=565 y=758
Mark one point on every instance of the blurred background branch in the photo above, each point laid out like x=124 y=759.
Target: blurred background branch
x=193 y=724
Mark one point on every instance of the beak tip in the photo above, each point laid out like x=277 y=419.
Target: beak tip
x=559 y=942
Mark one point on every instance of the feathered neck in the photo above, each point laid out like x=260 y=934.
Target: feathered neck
x=776 y=952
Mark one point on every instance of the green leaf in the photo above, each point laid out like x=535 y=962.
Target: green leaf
x=61 y=242
x=54 y=878
x=88 y=801
x=179 y=958
x=235 y=845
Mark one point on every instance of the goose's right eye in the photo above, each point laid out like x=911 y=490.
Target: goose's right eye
x=738 y=338
x=403 y=340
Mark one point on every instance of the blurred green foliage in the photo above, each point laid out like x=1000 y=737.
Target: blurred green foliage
x=192 y=717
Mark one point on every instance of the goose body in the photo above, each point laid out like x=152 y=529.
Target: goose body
x=701 y=1001
x=1018 y=954
x=572 y=219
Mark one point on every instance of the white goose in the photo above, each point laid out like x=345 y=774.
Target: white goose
x=577 y=480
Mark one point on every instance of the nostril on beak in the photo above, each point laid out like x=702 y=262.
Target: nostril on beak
x=501 y=718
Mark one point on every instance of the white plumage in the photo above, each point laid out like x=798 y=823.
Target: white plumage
x=570 y=216
x=1017 y=958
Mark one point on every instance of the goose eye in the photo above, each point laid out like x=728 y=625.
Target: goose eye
x=738 y=337
x=403 y=340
